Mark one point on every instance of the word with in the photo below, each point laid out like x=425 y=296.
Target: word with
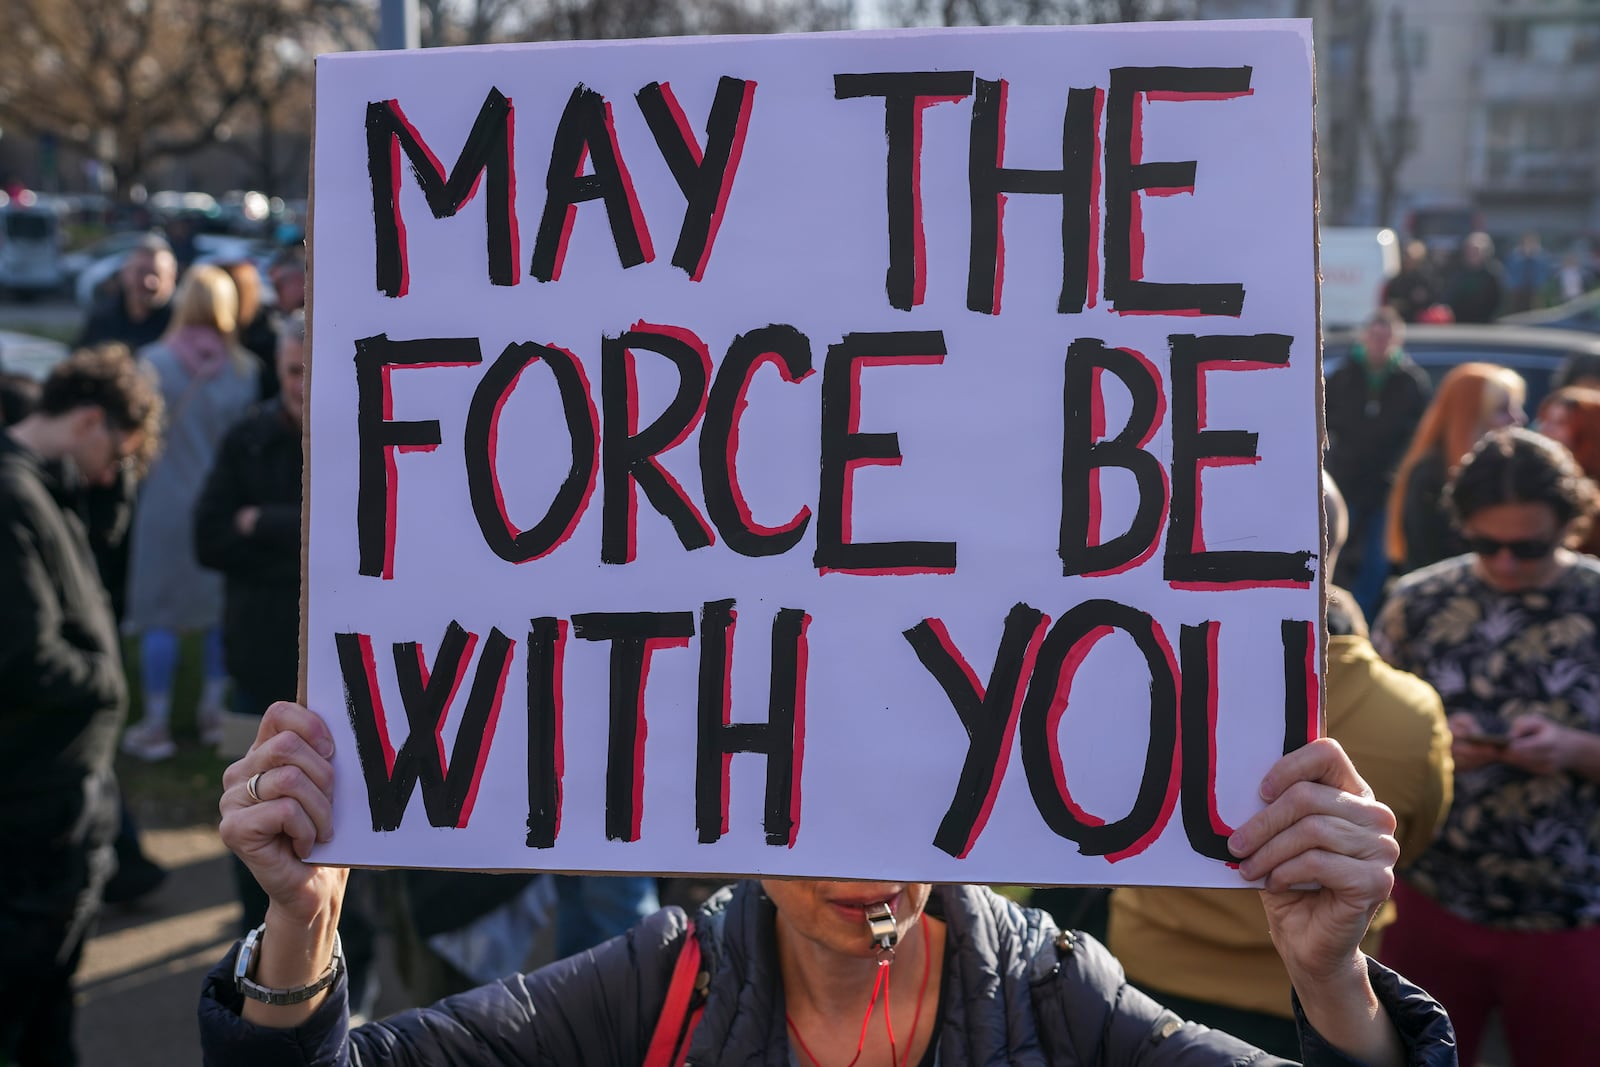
x=449 y=784
x=1028 y=693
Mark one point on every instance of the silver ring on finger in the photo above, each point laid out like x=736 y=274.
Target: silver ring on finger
x=250 y=787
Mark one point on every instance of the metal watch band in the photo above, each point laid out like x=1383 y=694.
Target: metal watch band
x=244 y=966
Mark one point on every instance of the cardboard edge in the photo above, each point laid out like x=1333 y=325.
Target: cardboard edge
x=1323 y=578
x=301 y=682
x=305 y=508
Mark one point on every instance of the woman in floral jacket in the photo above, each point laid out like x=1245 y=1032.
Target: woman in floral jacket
x=1503 y=911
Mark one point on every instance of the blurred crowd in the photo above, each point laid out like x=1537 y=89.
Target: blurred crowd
x=150 y=498
x=150 y=493
x=1469 y=284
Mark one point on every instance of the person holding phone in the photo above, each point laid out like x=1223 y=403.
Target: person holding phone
x=1509 y=894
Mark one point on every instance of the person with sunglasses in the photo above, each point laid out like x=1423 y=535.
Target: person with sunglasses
x=1502 y=912
x=62 y=691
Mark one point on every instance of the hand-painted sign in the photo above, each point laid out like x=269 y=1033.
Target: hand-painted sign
x=865 y=455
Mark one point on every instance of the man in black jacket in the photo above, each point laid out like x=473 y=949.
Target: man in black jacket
x=62 y=692
x=139 y=308
x=1374 y=402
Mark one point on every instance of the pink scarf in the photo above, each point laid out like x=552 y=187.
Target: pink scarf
x=201 y=350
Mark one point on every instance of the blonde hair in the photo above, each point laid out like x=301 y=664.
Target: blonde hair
x=247 y=281
x=1457 y=417
x=206 y=296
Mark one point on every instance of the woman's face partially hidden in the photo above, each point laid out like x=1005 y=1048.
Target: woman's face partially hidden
x=1503 y=525
x=1556 y=424
x=833 y=914
x=1502 y=408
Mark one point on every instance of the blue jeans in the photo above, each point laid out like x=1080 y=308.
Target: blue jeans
x=158 y=658
x=1367 y=587
x=592 y=908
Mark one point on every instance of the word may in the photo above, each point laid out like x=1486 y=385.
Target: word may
x=585 y=137
x=1028 y=692
x=627 y=457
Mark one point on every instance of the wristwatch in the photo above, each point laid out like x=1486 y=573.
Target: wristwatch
x=245 y=966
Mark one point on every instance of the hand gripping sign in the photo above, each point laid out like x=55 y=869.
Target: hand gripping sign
x=861 y=455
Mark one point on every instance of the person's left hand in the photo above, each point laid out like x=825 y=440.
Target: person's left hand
x=1325 y=849
x=1537 y=745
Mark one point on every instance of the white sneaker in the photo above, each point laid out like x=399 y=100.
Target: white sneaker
x=210 y=723
x=149 y=742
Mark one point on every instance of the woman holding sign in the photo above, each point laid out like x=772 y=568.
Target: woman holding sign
x=817 y=973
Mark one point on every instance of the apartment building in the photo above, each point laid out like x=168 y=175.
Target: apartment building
x=1494 y=106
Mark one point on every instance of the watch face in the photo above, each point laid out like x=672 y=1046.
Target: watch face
x=244 y=964
x=247 y=986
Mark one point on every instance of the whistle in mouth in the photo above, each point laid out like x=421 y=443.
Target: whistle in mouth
x=880 y=921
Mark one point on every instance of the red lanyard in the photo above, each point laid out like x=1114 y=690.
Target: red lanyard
x=880 y=982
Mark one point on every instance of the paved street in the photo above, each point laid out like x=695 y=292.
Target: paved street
x=51 y=317
x=140 y=979
x=141 y=974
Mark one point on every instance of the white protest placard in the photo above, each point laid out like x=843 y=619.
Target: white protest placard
x=881 y=455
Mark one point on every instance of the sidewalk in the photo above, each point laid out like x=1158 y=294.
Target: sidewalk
x=140 y=978
x=139 y=983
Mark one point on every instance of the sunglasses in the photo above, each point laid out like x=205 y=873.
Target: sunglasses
x=1529 y=549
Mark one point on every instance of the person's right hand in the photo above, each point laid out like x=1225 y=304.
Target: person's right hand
x=292 y=755
x=1468 y=754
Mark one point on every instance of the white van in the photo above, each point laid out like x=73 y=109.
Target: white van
x=30 y=250
x=1357 y=262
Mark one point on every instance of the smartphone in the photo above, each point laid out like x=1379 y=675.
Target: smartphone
x=1492 y=740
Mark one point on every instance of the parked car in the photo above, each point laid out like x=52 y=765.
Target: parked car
x=1534 y=353
x=1442 y=227
x=22 y=353
x=93 y=281
x=30 y=249
x=81 y=259
x=1579 y=313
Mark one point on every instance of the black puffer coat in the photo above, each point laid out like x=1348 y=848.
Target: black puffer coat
x=1015 y=992
x=258 y=466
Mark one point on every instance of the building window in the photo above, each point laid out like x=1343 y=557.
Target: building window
x=1416 y=45
x=1586 y=41
x=1509 y=38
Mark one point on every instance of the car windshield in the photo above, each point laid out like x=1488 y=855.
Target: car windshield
x=24 y=227
x=1440 y=223
x=1536 y=365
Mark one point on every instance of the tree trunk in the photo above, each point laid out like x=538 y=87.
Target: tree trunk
x=267 y=149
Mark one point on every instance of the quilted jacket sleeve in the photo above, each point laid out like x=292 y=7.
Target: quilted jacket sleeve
x=1123 y=1027
x=598 y=1007
x=1109 y=1023
x=1425 y=1029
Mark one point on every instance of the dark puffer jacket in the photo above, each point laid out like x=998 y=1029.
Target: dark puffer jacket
x=61 y=689
x=1015 y=992
x=258 y=466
